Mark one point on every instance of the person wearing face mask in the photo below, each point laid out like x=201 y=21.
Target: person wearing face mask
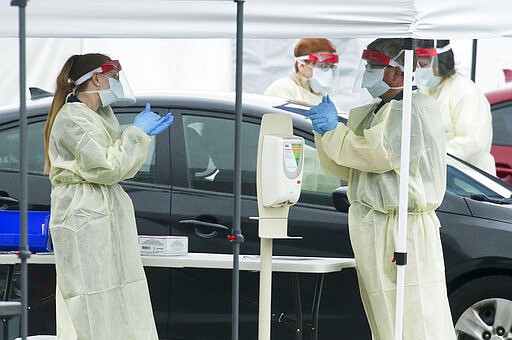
x=467 y=118
x=366 y=153
x=313 y=75
x=101 y=290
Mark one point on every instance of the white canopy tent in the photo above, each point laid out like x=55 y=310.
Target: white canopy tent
x=58 y=28
x=273 y=19
x=262 y=19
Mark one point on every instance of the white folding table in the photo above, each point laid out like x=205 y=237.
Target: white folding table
x=289 y=264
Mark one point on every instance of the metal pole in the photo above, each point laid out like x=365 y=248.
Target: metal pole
x=236 y=237
x=24 y=253
x=400 y=257
x=265 y=309
x=473 y=60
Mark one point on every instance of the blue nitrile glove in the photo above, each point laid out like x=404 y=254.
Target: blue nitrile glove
x=163 y=124
x=147 y=120
x=324 y=116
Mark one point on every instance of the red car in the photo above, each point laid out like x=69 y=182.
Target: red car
x=501 y=107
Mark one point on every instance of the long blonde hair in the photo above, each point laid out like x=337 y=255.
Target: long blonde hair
x=75 y=67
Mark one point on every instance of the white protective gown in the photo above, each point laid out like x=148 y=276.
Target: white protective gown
x=102 y=291
x=467 y=120
x=294 y=87
x=367 y=154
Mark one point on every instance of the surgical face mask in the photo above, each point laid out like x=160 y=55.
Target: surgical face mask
x=424 y=77
x=372 y=81
x=113 y=94
x=322 y=80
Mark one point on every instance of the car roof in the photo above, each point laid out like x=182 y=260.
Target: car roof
x=34 y=108
x=499 y=96
x=254 y=105
x=218 y=101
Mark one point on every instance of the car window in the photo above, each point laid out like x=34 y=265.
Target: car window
x=317 y=187
x=463 y=185
x=502 y=124
x=465 y=180
x=146 y=173
x=209 y=144
x=10 y=150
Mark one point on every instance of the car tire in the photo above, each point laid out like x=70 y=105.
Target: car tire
x=482 y=309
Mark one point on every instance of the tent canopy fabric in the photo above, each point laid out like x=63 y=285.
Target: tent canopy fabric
x=262 y=19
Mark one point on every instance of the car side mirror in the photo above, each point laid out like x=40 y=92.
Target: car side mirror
x=37 y=93
x=340 y=199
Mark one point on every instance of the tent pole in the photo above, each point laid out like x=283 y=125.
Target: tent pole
x=236 y=237
x=400 y=256
x=23 y=253
x=473 y=60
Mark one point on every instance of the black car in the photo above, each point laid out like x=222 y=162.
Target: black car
x=185 y=188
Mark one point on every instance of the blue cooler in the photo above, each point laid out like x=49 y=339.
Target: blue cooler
x=37 y=226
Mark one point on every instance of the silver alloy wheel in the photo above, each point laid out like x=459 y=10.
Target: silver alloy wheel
x=489 y=319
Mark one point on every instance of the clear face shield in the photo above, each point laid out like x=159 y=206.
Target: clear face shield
x=427 y=65
x=325 y=74
x=371 y=72
x=119 y=91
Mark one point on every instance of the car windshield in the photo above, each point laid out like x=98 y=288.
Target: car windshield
x=465 y=180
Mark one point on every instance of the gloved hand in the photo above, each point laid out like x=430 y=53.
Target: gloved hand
x=163 y=124
x=324 y=116
x=147 y=120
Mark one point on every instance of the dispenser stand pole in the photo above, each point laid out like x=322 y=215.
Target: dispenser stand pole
x=265 y=289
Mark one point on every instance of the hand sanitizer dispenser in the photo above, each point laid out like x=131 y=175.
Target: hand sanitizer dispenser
x=282 y=161
x=278 y=184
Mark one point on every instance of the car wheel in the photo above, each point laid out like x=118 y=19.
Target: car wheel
x=482 y=309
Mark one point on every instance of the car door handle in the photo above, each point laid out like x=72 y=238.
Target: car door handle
x=7 y=202
x=204 y=229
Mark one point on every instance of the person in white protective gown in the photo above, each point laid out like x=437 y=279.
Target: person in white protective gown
x=467 y=117
x=366 y=153
x=314 y=72
x=101 y=290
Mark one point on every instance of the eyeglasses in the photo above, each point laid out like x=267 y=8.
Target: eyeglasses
x=324 y=66
x=373 y=67
x=112 y=74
